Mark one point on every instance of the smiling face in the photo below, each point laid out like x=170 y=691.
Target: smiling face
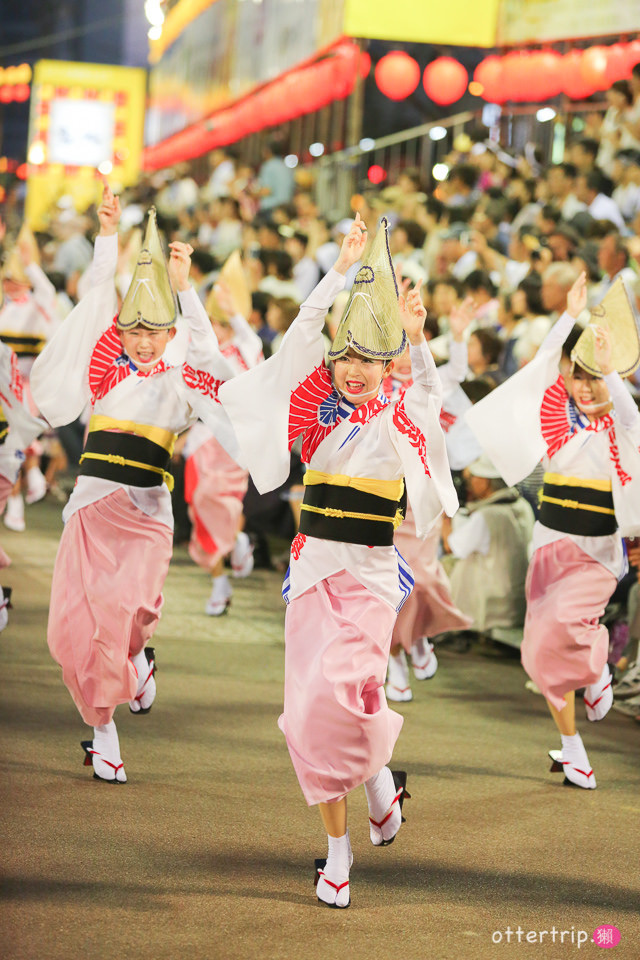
x=590 y=394
x=144 y=346
x=358 y=378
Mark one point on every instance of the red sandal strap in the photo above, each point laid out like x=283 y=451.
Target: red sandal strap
x=384 y=820
x=336 y=886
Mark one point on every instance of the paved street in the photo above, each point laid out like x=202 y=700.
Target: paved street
x=207 y=852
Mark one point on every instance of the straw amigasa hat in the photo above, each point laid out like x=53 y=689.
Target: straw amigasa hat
x=233 y=275
x=371 y=323
x=616 y=315
x=149 y=300
x=13 y=267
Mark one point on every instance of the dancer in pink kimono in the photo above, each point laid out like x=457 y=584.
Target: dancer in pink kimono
x=346 y=580
x=429 y=610
x=215 y=485
x=18 y=428
x=114 y=554
x=587 y=434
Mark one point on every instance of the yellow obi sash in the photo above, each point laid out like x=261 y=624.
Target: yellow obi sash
x=578 y=505
x=351 y=509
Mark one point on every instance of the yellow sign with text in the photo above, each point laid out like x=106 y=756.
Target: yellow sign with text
x=86 y=120
x=468 y=23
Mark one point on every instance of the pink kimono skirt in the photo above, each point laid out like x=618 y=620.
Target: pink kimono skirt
x=429 y=610
x=214 y=488
x=564 y=646
x=106 y=598
x=336 y=721
x=5 y=490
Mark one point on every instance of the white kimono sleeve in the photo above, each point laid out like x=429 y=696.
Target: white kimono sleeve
x=419 y=440
x=258 y=401
x=507 y=421
x=60 y=376
x=203 y=372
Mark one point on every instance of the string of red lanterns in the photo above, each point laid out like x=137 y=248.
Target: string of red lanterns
x=519 y=76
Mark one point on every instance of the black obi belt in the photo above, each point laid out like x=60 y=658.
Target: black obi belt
x=124 y=458
x=343 y=513
x=577 y=505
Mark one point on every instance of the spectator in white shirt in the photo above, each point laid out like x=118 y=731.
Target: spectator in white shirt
x=595 y=190
x=306 y=272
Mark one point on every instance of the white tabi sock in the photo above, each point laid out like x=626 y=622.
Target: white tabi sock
x=220 y=596
x=107 y=757
x=576 y=764
x=381 y=793
x=333 y=880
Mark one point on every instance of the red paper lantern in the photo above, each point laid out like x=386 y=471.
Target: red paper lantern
x=490 y=73
x=617 y=63
x=546 y=74
x=397 y=75
x=22 y=92
x=593 y=68
x=573 y=83
x=517 y=76
x=445 y=80
x=633 y=54
x=365 y=64
x=6 y=94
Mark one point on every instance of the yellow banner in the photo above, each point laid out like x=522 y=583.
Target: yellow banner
x=469 y=23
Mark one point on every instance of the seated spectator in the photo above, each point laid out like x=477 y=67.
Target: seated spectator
x=613 y=259
x=557 y=280
x=306 y=272
x=481 y=288
x=582 y=154
x=620 y=100
x=595 y=190
x=533 y=325
x=484 y=350
x=626 y=173
x=561 y=182
x=490 y=541
x=278 y=279
x=281 y=313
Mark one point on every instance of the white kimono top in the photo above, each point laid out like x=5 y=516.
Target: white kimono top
x=34 y=315
x=531 y=417
x=85 y=362
x=21 y=428
x=242 y=352
x=291 y=395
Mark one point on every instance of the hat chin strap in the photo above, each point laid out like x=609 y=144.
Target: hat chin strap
x=592 y=407
x=361 y=396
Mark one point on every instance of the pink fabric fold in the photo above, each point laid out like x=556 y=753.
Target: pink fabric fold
x=564 y=646
x=429 y=610
x=5 y=490
x=106 y=598
x=336 y=721
x=215 y=488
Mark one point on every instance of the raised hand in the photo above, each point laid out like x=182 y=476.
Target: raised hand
x=603 y=351
x=577 y=296
x=225 y=298
x=108 y=211
x=460 y=318
x=179 y=265
x=352 y=246
x=413 y=314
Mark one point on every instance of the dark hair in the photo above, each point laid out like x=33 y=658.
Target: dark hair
x=569 y=169
x=431 y=325
x=490 y=344
x=203 y=260
x=570 y=342
x=302 y=238
x=476 y=390
x=549 y=212
x=415 y=234
x=531 y=286
x=623 y=87
x=480 y=280
x=284 y=264
x=434 y=206
x=589 y=145
x=599 y=181
x=260 y=301
x=276 y=147
x=635 y=70
x=464 y=172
